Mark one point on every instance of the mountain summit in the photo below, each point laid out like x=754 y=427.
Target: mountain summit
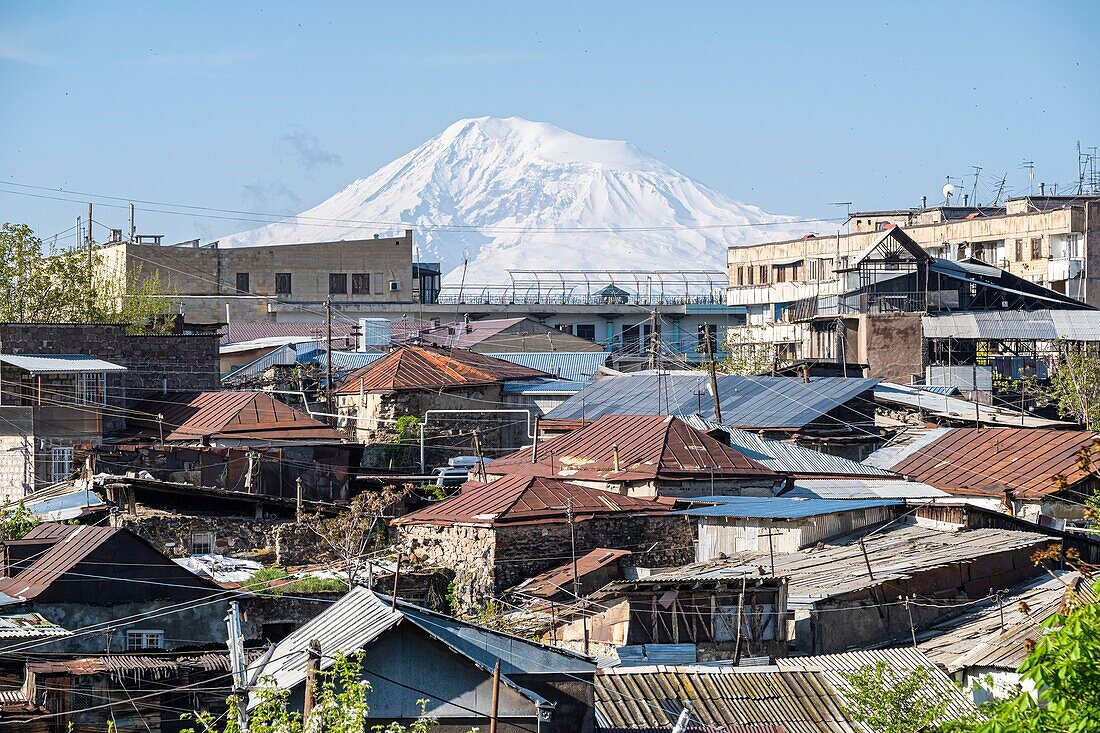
x=514 y=194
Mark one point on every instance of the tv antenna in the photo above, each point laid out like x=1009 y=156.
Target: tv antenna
x=974 y=190
x=1030 y=166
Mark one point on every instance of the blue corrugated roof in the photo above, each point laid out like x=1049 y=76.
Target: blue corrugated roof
x=758 y=402
x=779 y=508
x=556 y=386
x=572 y=365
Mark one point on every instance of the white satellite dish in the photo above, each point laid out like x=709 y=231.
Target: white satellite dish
x=948 y=190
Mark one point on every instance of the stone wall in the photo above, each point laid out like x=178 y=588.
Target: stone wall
x=467 y=551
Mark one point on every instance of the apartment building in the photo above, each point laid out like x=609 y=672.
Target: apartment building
x=269 y=283
x=1049 y=241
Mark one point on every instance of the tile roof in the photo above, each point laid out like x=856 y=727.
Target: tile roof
x=786 y=457
x=430 y=368
x=980 y=639
x=228 y=415
x=747 y=402
x=361 y=617
x=649 y=447
x=990 y=460
x=738 y=700
x=525 y=499
x=751 y=507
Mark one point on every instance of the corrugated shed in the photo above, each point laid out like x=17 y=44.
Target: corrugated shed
x=1037 y=325
x=903 y=659
x=646 y=446
x=427 y=368
x=749 y=507
x=230 y=415
x=520 y=499
x=571 y=365
x=60 y=363
x=840 y=489
x=749 y=402
x=785 y=457
x=651 y=698
x=966 y=460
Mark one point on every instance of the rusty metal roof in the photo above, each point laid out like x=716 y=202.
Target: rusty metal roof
x=525 y=499
x=69 y=545
x=967 y=460
x=649 y=446
x=721 y=698
x=190 y=416
x=342 y=331
x=424 y=368
x=551 y=582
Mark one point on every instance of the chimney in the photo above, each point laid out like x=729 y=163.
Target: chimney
x=535 y=444
x=966 y=199
x=1042 y=189
x=614 y=458
x=923 y=202
x=806 y=373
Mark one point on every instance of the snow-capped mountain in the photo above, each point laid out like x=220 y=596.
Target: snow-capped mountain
x=514 y=194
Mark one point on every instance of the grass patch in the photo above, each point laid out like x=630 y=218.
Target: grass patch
x=277 y=582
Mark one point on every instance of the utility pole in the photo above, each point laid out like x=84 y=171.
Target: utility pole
x=653 y=341
x=494 y=706
x=573 y=550
x=133 y=229
x=328 y=358
x=237 y=659
x=313 y=666
x=713 y=375
x=89 y=239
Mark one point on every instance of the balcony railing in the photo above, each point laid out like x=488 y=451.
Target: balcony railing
x=508 y=295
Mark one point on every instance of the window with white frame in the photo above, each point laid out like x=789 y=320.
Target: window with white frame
x=202 y=543
x=61 y=462
x=92 y=389
x=141 y=639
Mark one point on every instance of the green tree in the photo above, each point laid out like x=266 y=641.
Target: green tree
x=15 y=521
x=747 y=358
x=1075 y=384
x=67 y=286
x=887 y=700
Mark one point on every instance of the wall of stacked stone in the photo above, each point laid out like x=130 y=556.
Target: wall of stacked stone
x=466 y=550
x=297 y=544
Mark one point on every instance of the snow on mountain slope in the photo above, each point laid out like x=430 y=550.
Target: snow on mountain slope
x=514 y=194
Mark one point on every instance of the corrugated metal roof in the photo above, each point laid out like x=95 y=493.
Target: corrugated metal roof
x=1037 y=325
x=465 y=335
x=245 y=415
x=69 y=545
x=361 y=617
x=545 y=387
x=520 y=499
x=551 y=582
x=639 y=655
x=253 y=330
x=750 y=507
x=29 y=626
x=903 y=444
x=647 y=447
x=979 y=640
x=833 y=489
x=958 y=410
x=940 y=686
x=651 y=698
x=750 y=402
x=966 y=460
x=571 y=365
x=429 y=368
x=59 y=363
x=784 y=457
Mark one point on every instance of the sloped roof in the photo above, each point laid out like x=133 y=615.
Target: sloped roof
x=361 y=617
x=775 y=507
x=473 y=333
x=192 y=416
x=740 y=700
x=649 y=446
x=990 y=460
x=551 y=582
x=430 y=368
x=253 y=330
x=571 y=365
x=524 y=499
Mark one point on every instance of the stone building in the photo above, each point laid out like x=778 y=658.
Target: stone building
x=454 y=392
x=495 y=535
x=263 y=283
x=642 y=456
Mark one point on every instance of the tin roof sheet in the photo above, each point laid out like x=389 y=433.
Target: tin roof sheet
x=633 y=447
x=571 y=365
x=967 y=460
x=750 y=402
x=957 y=409
x=848 y=488
x=1006 y=325
x=252 y=330
x=430 y=368
x=552 y=581
x=226 y=415
x=69 y=544
x=725 y=698
x=521 y=499
x=59 y=363
x=750 y=507
x=29 y=626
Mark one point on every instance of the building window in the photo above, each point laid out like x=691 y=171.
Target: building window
x=61 y=463
x=202 y=543
x=1019 y=250
x=91 y=391
x=586 y=331
x=763 y=274
x=242 y=282
x=360 y=284
x=143 y=639
x=740 y=275
x=337 y=283
x=282 y=283
x=1037 y=248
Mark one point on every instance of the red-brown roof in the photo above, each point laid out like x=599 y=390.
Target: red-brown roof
x=468 y=335
x=550 y=583
x=233 y=333
x=965 y=460
x=429 y=368
x=525 y=500
x=649 y=446
x=230 y=416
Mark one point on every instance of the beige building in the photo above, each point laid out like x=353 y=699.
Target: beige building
x=263 y=283
x=1049 y=241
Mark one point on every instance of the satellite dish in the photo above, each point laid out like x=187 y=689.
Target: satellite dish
x=948 y=190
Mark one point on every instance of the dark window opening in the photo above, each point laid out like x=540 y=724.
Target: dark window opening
x=337 y=283
x=282 y=283
x=242 y=282
x=360 y=284
x=586 y=331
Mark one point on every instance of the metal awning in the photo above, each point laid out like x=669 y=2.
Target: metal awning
x=59 y=363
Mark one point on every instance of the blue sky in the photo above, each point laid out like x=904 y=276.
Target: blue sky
x=790 y=106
